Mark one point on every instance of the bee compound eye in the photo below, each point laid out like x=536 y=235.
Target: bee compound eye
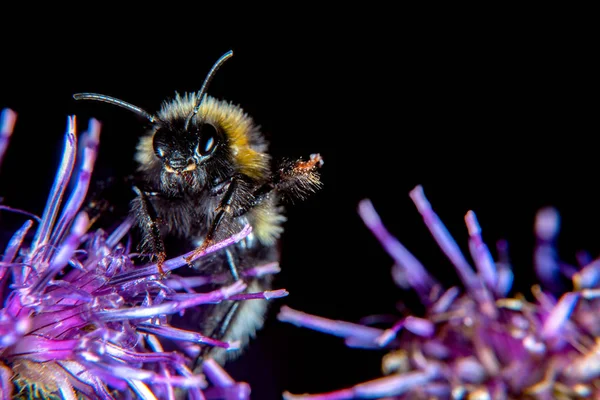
x=160 y=151
x=159 y=144
x=208 y=140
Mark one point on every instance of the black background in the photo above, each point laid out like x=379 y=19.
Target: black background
x=495 y=116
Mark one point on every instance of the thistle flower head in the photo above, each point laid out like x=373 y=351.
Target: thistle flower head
x=477 y=341
x=80 y=320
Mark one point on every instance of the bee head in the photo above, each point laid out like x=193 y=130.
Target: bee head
x=185 y=150
x=184 y=154
x=183 y=144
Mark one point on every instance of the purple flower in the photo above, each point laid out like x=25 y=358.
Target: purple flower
x=80 y=320
x=479 y=342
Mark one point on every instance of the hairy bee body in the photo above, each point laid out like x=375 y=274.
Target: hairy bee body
x=204 y=172
x=187 y=208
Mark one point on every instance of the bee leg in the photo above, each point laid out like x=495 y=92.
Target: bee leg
x=232 y=267
x=147 y=221
x=293 y=180
x=219 y=332
x=223 y=210
x=222 y=326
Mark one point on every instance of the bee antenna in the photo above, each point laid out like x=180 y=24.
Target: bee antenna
x=111 y=100
x=201 y=95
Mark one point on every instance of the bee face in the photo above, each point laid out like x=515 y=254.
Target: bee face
x=185 y=154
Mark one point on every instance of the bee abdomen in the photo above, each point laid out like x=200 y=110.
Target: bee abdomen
x=246 y=321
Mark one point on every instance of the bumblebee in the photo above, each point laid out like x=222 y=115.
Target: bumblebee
x=203 y=173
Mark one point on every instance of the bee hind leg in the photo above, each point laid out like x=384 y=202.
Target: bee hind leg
x=218 y=333
x=222 y=326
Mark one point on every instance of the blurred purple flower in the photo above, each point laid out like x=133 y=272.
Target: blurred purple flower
x=477 y=342
x=79 y=320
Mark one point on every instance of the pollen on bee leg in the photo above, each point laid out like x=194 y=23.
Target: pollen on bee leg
x=160 y=260
x=205 y=245
x=315 y=161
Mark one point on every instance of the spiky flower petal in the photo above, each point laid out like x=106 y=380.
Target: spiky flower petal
x=80 y=320
x=477 y=342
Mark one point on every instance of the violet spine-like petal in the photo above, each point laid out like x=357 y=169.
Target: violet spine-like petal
x=445 y=301
x=505 y=281
x=504 y=270
x=58 y=188
x=119 y=233
x=182 y=369
x=394 y=385
x=419 y=326
x=224 y=386
x=216 y=374
x=588 y=277
x=188 y=282
x=262 y=270
x=181 y=334
x=547 y=224
x=547 y=267
x=336 y=328
x=7 y=123
x=559 y=316
x=81 y=187
x=15 y=244
x=172 y=307
x=11 y=251
x=357 y=343
x=239 y=391
x=389 y=334
x=480 y=252
x=415 y=272
x=137 y=357
x=267 y=295
x=442 y=237
x=141 y=390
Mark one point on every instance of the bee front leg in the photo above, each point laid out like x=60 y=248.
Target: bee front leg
x=224 y=210
x=147 y=221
